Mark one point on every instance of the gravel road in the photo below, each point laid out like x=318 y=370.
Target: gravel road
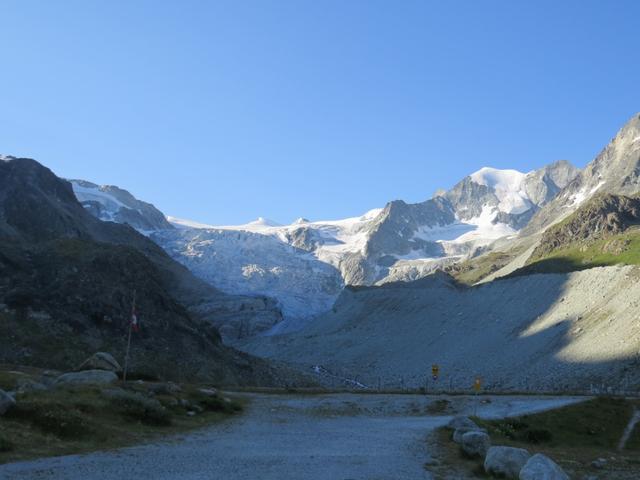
x=333 y=437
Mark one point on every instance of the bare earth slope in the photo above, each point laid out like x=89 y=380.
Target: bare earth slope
x=552 y=332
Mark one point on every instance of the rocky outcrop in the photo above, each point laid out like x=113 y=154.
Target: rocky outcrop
x=113 y=204
x=616 y=170
x=602 y=216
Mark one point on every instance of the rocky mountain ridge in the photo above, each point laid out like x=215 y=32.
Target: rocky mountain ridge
x=67 y=281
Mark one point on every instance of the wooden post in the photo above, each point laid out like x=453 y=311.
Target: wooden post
x=126 y=356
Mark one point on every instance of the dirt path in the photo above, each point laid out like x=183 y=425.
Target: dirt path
x=333 y=437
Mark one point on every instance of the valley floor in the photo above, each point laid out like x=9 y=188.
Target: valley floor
x=332 y=436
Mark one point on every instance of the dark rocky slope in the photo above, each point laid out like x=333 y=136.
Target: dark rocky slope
x=66 y=285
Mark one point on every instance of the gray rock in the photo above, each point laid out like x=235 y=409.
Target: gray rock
x=541 y=467
x=460 y=432
x=101 y=361
x=48 y=377
x=209 y=392
x=27 y=385
x=462 y=422
x=168 y=388
x=505 y=461
x=86 y=377
x=6 y=402
x=599 y=463
x=475 y=444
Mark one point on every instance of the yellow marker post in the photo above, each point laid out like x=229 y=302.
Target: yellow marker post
x=477 y=385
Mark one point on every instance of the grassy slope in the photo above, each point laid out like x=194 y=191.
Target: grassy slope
x=475 y=269
x=82 y=419
x=621 y=249
x=573 y=436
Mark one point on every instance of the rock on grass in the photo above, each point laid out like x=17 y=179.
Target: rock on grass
x=6 y=402
x=475 y=444
x=505 y=462
x=541 y=467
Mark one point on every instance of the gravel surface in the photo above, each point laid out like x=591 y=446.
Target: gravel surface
x=553 y=332
x=333 y=437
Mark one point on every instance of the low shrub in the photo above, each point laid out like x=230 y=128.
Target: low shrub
x=218 y=404
x=535 y=436
x=138 y=407
x=5 y=444
x=52 y=418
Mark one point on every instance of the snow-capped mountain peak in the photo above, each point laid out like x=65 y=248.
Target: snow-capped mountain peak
x=264 y=222
x=508 y=186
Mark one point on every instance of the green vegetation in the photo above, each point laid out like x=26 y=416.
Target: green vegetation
x=475 y=269
x=595 y=424
x=86 y=418
x=621 y=249
x=573 y=436
x=135 y=406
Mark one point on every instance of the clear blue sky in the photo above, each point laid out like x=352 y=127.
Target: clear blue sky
x=225 y=111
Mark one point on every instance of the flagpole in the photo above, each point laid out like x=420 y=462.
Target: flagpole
x=126 y=357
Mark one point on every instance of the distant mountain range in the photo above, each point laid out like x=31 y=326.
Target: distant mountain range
x=512 y=297
x=305 y=265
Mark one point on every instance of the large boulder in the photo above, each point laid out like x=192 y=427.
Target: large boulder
x=475 y=444
x=505 y=461
x=541 y=467
x=86 y=377
x=6 y=402
x=101 y=361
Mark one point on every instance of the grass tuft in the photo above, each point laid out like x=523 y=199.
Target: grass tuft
x=5 y=444
x=51 y=417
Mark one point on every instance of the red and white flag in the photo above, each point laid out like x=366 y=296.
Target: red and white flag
x=134 y=322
